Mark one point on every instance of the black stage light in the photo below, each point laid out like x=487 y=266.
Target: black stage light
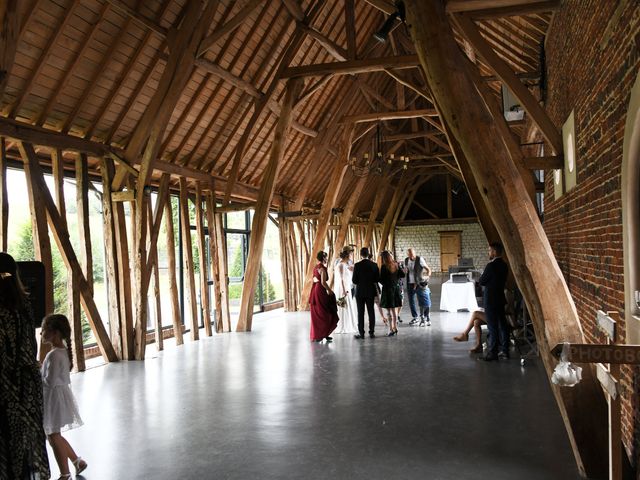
x=382 y=34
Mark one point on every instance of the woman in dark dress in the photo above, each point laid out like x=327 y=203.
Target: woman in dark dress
x=322 y=301
x=23 y=453
x=391 y=297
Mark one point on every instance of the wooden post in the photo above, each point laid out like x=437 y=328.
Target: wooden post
x=531 y=257
x=73 y=295
x=171 y=262
x=153 y=265
x=221 y=248
x=111 y=256
x=141 y=285
x=259 y=224
x=41 y=194
x=187 y=254
x=84 y=230
x=204 y=276
x=330 y=197
x=215 y=261
x=40 y=234
x=4 y=200
x=285 y=260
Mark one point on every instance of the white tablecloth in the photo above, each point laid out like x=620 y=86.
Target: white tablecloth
x=458 y=296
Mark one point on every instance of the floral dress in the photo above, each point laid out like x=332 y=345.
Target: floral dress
x=23 y=452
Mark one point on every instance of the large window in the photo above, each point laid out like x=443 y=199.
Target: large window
x=270 y=286
x=21 y=247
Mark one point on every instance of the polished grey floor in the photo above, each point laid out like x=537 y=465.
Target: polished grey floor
x=271 y=405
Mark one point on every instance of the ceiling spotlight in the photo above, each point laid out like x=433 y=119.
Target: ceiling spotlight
x=382 y=34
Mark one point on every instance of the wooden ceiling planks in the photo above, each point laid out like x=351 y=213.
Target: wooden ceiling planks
x=103 y=93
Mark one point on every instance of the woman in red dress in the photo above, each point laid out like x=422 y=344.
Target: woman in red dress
x=322 y=301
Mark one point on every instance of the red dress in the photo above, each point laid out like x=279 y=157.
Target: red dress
x=324 y=311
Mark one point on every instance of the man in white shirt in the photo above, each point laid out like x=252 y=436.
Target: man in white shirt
x=418 y=273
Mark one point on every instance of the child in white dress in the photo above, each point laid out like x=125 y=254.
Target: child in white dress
x=60 y=408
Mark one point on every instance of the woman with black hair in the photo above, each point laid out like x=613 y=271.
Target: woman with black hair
x=391 y=297
x=322 y=302
x=23 y=453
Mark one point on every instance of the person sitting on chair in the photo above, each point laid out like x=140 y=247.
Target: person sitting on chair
x=476 y=321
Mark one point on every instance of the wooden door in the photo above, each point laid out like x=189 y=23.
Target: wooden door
x=450 y=249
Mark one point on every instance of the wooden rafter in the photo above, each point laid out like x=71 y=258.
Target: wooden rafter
x=392 y=115
x=14 y=108
x=9 y=31
x=501 y=8
x=228 y=27
x=350 y=27
x=290 y=51
x=529 y=103
x=41 y=117
x=351 y=67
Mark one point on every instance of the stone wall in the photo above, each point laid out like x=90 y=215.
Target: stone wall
x=593 y=58
x=425 y=240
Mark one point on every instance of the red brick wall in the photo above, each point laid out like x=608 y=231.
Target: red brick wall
x=593 y=58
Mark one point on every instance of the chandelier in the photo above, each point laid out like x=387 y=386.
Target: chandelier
x=374 y=161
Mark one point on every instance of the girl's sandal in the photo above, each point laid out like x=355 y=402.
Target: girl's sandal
x=64 y=476
x=80 y=465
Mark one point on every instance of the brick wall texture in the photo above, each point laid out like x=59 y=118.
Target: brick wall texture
x=593 y=57
x=425 y=240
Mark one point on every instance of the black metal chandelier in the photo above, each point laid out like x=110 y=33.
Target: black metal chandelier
x=374 y=160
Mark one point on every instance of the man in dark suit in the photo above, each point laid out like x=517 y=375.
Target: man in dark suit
x=493 y=280
x=365 y=278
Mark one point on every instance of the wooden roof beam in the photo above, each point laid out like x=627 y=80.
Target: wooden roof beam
x=289 y=53
x=55 y=140
x=529 y=102
x=350 y=28
x=330 y=46
x=353 y=66
x=392 y=115
x=9 y=31
x=500 y=8
x=228 y=27
x=384 y=6
x=41 y=118
x=294 y=8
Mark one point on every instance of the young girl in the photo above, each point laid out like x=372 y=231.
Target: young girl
x=60 y=408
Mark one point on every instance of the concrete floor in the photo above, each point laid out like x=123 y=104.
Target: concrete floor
x=272 y=405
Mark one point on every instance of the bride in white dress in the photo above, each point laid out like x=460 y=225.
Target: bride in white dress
x=342 y=285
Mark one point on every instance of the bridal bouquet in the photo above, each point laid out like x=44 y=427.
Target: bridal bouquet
x=342 y=302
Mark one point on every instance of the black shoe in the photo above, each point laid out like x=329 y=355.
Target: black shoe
x=372 y=335
x=399 y=320
x=359 y=336
x=328 y=339
x=503 y=356
x=490 y=358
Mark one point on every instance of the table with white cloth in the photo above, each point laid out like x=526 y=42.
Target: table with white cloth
x=458 y=296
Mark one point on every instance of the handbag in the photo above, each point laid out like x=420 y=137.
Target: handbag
x=401 y=273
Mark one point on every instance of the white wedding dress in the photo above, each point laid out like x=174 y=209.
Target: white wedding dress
x=348 y=314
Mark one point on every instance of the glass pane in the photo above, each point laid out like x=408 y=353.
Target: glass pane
x=272 y=284
x=237 y=221
x=235 y=264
